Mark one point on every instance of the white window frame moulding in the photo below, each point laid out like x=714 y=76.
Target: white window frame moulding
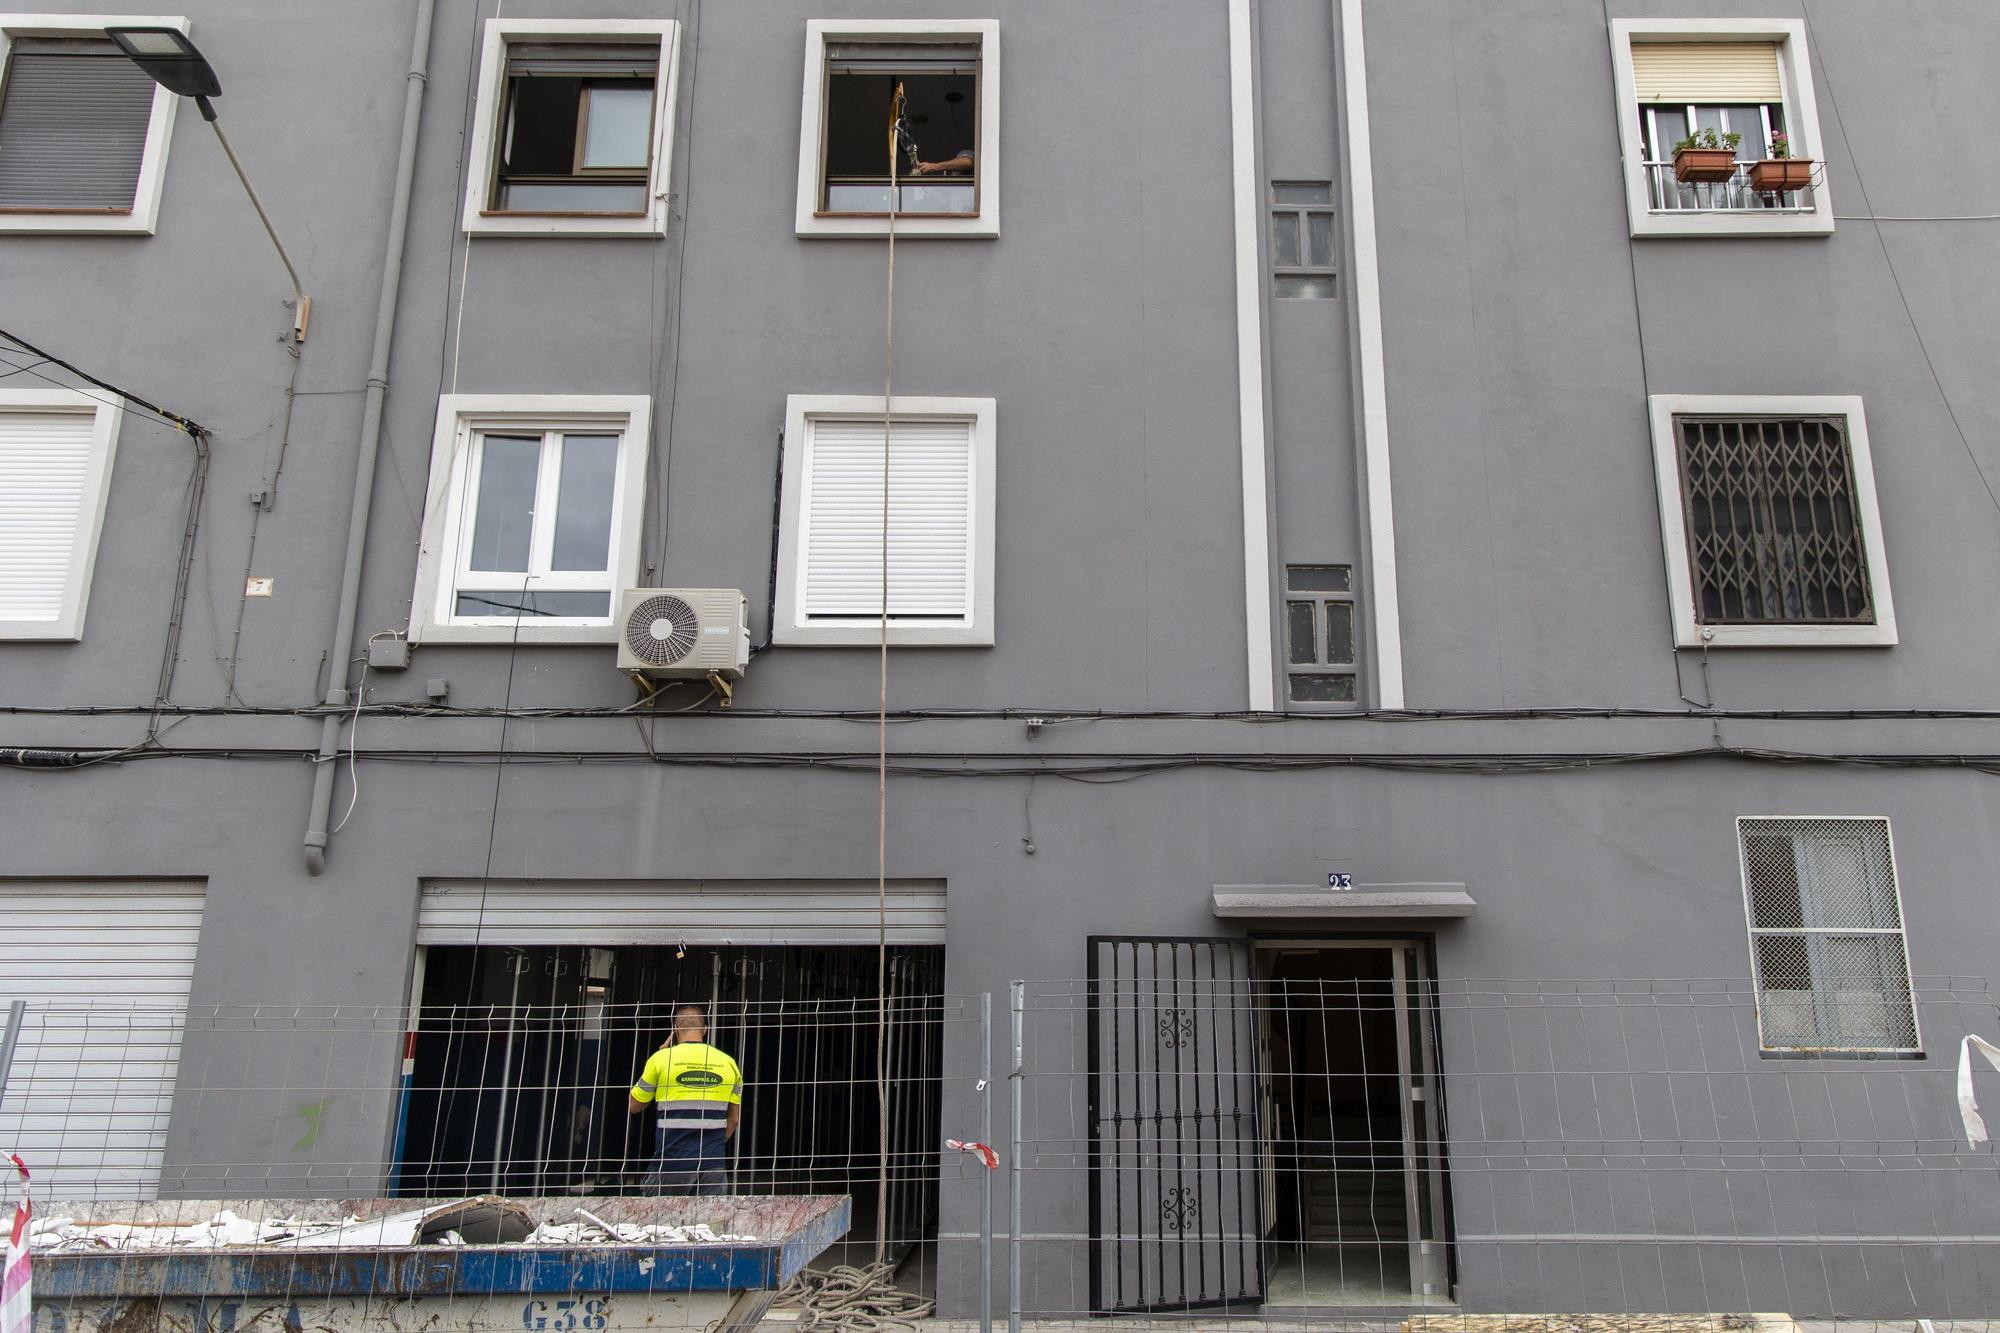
x=68 y=625
x=1902 y=932
x=788 y=621
x=145 y=213
x=481 y=159
x=1802 y=126
x=458 y=416
x=811 y=126
x=1688 y=633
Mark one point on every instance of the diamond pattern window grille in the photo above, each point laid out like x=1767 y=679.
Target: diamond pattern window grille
x=1826 y=933
x=1774 y=531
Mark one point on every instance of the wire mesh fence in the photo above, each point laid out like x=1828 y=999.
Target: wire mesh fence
x=1211 y=1130
x=301 y=1140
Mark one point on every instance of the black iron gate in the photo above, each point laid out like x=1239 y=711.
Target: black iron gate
x=1174 y=1163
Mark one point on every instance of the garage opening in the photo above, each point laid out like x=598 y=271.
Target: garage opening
x=523 y=1056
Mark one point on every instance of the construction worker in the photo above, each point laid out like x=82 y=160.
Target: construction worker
x=699 y=1093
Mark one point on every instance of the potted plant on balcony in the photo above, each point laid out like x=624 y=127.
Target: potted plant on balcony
x=1706 y=157
x=1779 y=171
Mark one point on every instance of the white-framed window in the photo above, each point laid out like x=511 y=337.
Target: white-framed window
x=948 y=169
x=1768 y=513
x=941 y=505
x=532 y=518
x=83 y=130
x=1826 y=935
x=56 y=447
x=573 y=128
x=1749 y=77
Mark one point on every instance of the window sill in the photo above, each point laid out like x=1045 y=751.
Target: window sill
x=1733 y=222
x=74 y=221
x=983 y=225
x=1788 y=636
x=503 y=636
x=869 y=635
x=488 y=223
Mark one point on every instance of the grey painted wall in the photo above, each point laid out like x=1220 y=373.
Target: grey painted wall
x=1102 y=322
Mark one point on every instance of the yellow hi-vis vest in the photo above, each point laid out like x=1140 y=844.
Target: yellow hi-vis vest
x=694 y=1084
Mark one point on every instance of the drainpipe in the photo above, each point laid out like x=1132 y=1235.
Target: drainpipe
x=342 y=647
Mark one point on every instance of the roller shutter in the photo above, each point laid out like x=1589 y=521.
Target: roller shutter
x=930 y=521
x=73 y=120
x=523 y=912
x=105 y=969
x=44 y=474
x=1707 y=72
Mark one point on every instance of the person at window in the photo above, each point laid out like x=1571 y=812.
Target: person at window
x=959 y=162
x=699 y=1092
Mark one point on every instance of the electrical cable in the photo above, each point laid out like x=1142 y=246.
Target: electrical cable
x=353 y=744
x=186 y=425
x=1937 y=381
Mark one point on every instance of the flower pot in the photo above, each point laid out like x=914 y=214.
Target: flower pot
x=1776 y=175
x=1708 y=166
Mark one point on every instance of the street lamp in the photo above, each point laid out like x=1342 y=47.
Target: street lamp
x=177 y=65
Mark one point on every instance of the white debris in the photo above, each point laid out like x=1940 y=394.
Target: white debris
x=61 y=1235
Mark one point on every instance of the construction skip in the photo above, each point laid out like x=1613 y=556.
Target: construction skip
x=546 y=1265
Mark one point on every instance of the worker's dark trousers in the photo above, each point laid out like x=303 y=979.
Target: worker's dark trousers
x=679 y=1177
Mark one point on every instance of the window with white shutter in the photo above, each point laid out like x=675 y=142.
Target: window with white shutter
x=939 y=552
x=83 y=131
x=55 y=463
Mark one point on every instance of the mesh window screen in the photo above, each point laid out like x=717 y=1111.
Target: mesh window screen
x=1774 y=533
x=1826 y=929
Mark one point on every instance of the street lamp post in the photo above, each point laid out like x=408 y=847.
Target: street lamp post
x=177 y=65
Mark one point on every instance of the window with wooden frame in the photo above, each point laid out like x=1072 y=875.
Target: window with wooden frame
x=1750 y=78
x=1319 y=636
x=944 y=128
x=1769 y=515
x=572 y=126
x=533 y=525
x=1826 y=936
x=83 y=131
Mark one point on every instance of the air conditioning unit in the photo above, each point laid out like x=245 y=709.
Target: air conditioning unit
x=668 y=633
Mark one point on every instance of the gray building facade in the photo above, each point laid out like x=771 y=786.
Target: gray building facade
x=1374 y=467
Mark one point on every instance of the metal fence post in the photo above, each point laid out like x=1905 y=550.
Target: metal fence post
x=986 y=1177
x=1017 y=997
x=9 y=1039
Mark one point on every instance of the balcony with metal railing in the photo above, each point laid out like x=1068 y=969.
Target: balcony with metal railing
x=1666 y=194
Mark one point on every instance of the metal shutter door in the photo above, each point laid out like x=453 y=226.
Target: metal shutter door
x=930 y=521
x=694 y=912
x=44 y=462
x=105 y=969
x=72 y=130
x=1706 y=72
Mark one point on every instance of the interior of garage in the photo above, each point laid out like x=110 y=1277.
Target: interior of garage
x=523 y=1057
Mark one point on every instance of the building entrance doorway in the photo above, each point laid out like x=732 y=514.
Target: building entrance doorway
x=1266 y=1128
x=1351 y=1127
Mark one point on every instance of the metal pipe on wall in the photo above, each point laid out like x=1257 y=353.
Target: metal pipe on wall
x=1017 y=999
x=341 y=649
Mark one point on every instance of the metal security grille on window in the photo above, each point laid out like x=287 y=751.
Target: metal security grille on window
x=1826 y=929
x=73 y=119
x=1774 y=532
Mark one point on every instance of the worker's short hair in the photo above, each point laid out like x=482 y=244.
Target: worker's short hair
x=681 y=1015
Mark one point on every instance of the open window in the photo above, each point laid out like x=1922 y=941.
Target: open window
x=944 y=180
x=1741 y=91
x=533 y=523
x=572 y=129
x=83 y=130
